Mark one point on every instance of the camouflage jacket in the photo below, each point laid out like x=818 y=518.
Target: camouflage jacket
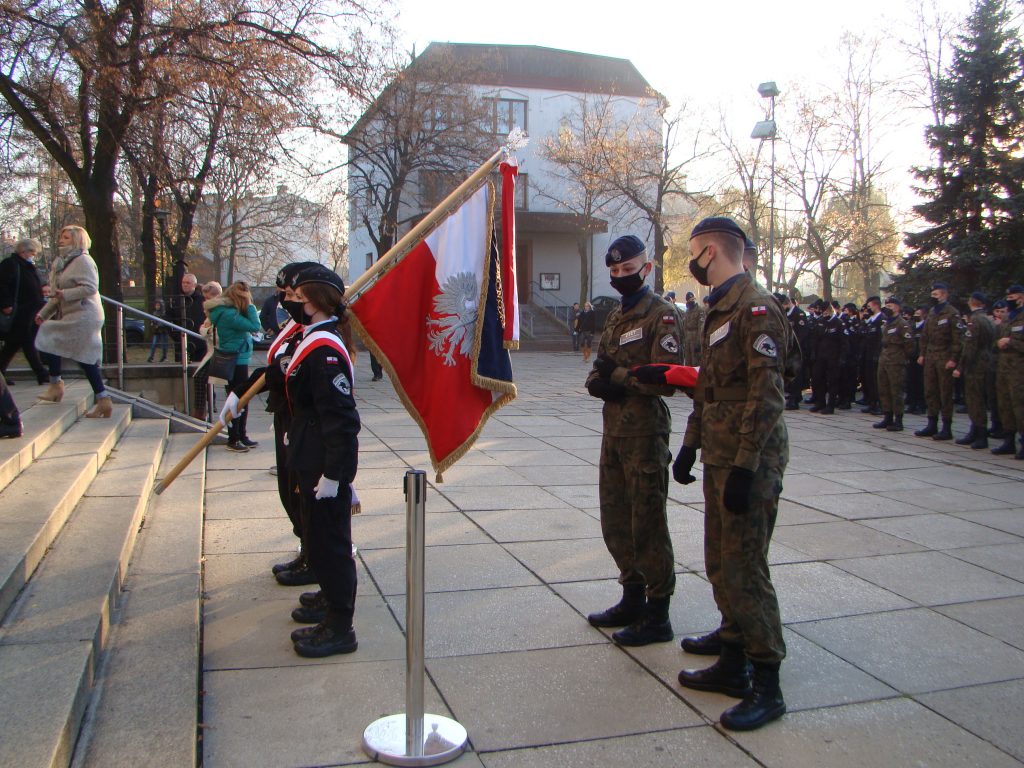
x=897 y=342
x=1011 y=359
x=940 y=336
x=739 y=398
x=647 y=333
x=976 y=353
x=693 y=320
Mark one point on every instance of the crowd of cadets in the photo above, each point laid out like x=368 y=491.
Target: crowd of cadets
x=845 y=346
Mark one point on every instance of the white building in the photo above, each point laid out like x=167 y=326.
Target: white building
x=540 y=90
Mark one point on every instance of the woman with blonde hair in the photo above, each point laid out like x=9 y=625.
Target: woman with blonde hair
x=71 y=321
x=234 y=319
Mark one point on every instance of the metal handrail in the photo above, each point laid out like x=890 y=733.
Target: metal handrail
x=551 y=301
x=185 y=333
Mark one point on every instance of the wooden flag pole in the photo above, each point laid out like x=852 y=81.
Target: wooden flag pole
x=206 y=439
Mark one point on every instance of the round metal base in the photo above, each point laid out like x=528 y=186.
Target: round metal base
x=444 y=740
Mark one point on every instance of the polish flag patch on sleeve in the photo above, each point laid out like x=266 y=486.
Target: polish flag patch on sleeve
x=762 y=310
x=668 y=319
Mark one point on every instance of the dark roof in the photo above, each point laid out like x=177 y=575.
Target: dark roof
x=531 y=66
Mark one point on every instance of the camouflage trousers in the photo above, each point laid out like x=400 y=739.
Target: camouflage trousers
x=691 y=352
x=633 y=491
x=736 y=562
x=892 y=385
x=938 y=387
x=976 y=395
x=1010 y=391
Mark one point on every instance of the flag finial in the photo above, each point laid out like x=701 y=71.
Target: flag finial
x=517 y=139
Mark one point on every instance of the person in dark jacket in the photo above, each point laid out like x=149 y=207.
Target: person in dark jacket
x=187 y=311
x=160 y=337
x=10 y=419
x=21 y=295
x=323 y=455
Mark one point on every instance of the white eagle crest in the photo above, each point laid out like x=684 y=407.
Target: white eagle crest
x=456 y=306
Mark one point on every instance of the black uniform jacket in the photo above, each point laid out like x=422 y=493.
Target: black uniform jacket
x=322 y=434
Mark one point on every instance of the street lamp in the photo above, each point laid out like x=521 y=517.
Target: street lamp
x=161 y=219
x=767 y=129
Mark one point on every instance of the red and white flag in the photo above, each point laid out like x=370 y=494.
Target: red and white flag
x=435 y=323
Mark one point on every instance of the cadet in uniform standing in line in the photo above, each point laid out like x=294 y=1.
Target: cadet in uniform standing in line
x=738 y=426
x=871 y=328
x=635 y=455
x=693 y=321
x=1010 y=373
x=940 y=347
x=897 y=347
x=974 y=367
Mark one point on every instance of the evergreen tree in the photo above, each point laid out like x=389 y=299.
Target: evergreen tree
x=974 y=193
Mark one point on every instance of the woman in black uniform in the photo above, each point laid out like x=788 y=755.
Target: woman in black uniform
x=322 y=457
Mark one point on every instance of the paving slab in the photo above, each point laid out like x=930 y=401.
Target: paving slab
x=451 y=568
x=1003 y=619
x=809 y=591
x=991 y=712
x=1009 y=520
x=941 y=532
x=388 y=531
x=838 y=540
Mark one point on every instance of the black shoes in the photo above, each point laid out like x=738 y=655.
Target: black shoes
x=1006 y=448
x=653 y=627
x=970 y=437
x=289 y=566
x=10 y=430
x=377 y=378
x=324 y=640
x=897 y=424
x=629 y=609
x=980 y=442
x=885 y=423
x=828 y=410
x=297 y=577
x=729 y=675
x=815 y=408
x=703 y=645
x=761 y=705
x=947 y=431
x=929 y=429
x=236 y=446
x=310 y=598
x=311 y=614
x=247 y=442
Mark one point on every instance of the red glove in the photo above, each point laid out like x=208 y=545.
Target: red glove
x=682 y=376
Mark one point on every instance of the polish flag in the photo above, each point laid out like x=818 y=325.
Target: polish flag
x=434 y=322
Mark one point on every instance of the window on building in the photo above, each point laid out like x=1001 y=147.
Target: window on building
x=522 y=192
x=369 y=260
x=506 y=114
x=435 y=186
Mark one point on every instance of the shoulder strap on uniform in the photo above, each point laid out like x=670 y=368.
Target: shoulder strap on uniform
x=316 y=340
x=289 y=330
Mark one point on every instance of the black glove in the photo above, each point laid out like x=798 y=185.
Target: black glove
x=684 y=462
x=650 y=374
x=605 y=390
x=737 y=490
x=604 y=366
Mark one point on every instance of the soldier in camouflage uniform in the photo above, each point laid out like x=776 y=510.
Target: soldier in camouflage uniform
x=897 y=347
x=693 y=321
x=634 y=448
x=737 y=424
x=940 y=347
x=1010 y=372
x=974 y=367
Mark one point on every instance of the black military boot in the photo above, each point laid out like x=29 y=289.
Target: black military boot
x=885 y=422
x=652 y=627
x=327 y=638
x=970 y=437
x=947 y=431
x=729 y=675
x=291 y=565
x=703 y=645
x=929 y=429
x=761 y=705
x=980 y=440
x=897 y=424
x=310 y=598
x=311 y=614
x=1007 y=448
x=629 y=609
x=297 y=577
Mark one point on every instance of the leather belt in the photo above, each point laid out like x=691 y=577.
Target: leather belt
x=720 y=394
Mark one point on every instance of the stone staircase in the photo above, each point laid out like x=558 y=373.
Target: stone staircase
x=549 y=334
x=99 y=589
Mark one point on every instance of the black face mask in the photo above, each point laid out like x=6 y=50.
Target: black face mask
x=294 y=310
x=1013 y=304
x=627 y=285
x=888 y=312
x=934 y=300
x=700 y=273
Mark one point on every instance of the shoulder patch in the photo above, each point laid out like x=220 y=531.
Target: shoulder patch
x=761 y=310
x=332 y=359
x=765 y=345
x=342 y=385
x=668 y=319
x=669 y=344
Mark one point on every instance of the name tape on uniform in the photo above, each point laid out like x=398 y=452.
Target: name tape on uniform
x=718 y=335
x=630 y=336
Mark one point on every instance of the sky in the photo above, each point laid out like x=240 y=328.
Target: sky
x=711 y=55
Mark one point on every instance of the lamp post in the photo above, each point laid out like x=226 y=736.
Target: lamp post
x=161 y=220
x=767 y=129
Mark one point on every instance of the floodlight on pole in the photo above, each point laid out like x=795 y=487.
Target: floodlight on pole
x=767 y=130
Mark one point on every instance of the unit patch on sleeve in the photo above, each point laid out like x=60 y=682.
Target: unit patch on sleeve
x=766 y=346
x=761 y=310
x=341 y=384
x=669 y=344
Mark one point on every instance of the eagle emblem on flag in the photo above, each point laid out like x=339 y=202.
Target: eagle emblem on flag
x=453 y=332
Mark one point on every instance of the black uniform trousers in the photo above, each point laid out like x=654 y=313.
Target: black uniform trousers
x=826 y=381
x=328 y=546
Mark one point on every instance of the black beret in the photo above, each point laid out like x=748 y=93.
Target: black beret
x=940 y=287
x=670 y=295
x=1016 y=288
x=873 y=299
x=626 y=247
x=850 y=305
x=1001 y=304
x=980 y=297
x=718 y=224
x=689 y=295
x=318 y=273
x=288 y=272
x=779 y=297
x=894 y=300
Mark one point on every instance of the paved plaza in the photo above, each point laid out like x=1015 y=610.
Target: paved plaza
x=898 y=561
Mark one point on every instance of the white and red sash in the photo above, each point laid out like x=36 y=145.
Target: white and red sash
x=315 y=340
x=289 y=330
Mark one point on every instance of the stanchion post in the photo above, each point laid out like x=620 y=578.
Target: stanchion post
x=403 y=739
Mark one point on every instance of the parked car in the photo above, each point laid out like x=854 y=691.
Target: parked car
x=134 y=330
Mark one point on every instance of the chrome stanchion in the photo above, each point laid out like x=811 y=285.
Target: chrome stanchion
x=184 y=374
x=120 y=348
x=414 y=738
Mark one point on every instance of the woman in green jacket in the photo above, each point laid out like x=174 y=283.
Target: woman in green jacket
x=235 y=319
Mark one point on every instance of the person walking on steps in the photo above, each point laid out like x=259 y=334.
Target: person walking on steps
x=21 y=297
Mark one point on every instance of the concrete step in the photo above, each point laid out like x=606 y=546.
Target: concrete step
x=35 y=505
x=53 y=634
x=43 y=422
x=144 y=711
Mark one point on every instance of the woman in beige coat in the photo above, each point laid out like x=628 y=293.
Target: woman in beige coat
x=70 y=323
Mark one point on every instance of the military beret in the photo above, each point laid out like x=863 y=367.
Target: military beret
x=689 y=295
x=670 y=295
x=873 y=299
x=624 y=248
x=1001 y=304
x=779 y=297
x=718 y=224
x=940 y=287
x=318 y=273
x=1016 y=288
x=980 y=297
x=748 y=245
x=289 y=271
x=894 y=300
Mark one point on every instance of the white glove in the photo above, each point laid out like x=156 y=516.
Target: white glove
x=326 y=488
x=230 y=406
